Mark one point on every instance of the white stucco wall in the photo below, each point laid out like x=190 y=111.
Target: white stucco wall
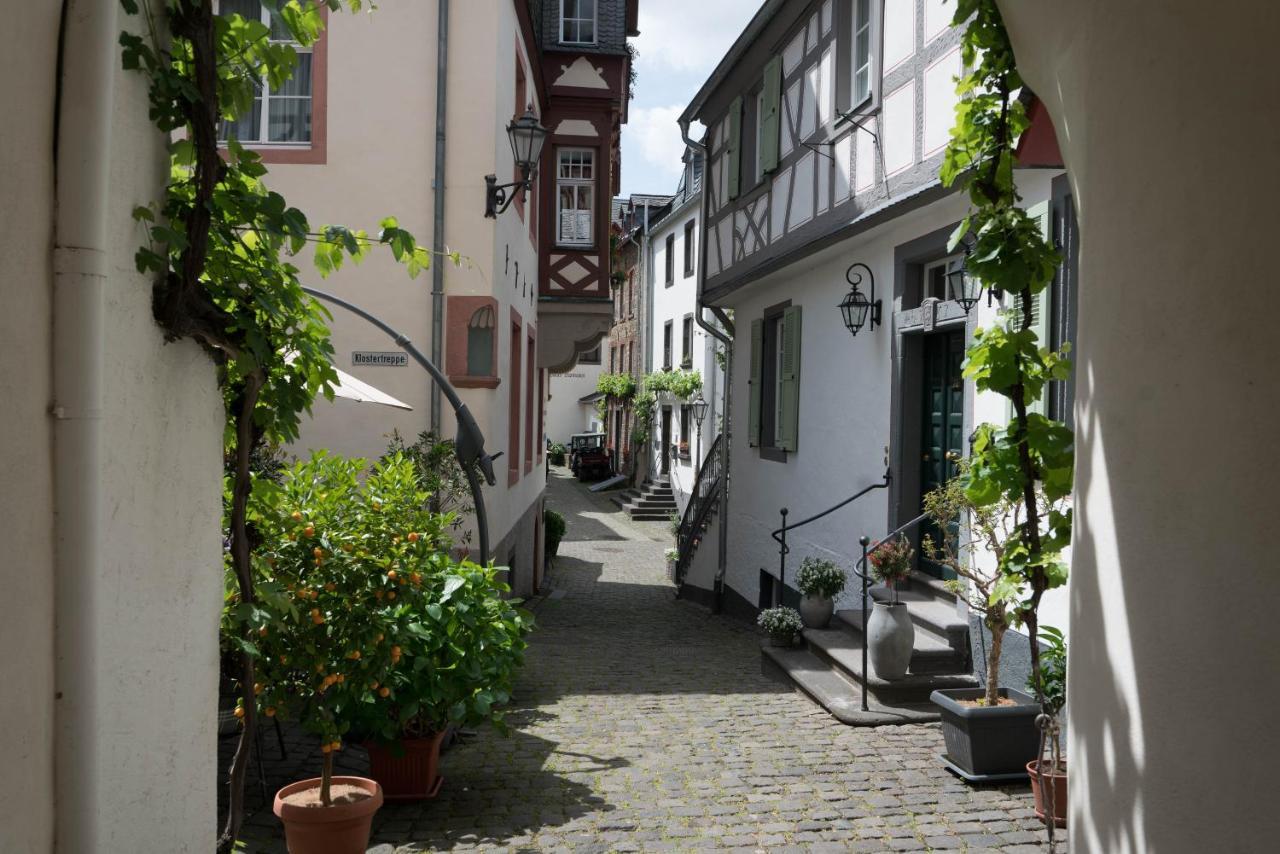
x=845 y=408
x=1172 y=738
x=565 y=414
x=672 y=304
x=28 y=51
x=137 y=756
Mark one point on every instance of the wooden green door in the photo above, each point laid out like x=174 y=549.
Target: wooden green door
x=942 y=424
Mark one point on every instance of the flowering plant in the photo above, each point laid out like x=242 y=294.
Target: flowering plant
x=891 y=563
x=781 y=623
x=820 y=578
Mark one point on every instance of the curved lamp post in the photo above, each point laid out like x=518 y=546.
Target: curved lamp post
x=858 y=309
x=469 y=443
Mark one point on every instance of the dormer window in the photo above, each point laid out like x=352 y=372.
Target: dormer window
x=578 y=21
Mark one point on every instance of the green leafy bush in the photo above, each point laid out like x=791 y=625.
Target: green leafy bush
x=618 y=386
x=820 y=578
x=557 y=453
x=440 y=475
x=554 y=527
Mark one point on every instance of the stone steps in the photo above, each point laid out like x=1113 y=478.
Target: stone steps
x=829 y=666
x=653 y=502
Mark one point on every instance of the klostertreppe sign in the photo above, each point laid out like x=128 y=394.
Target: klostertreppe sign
x=366 y=358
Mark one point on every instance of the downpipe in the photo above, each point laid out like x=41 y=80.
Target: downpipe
x=86 y=72
x=437 y=219
x=725 y=337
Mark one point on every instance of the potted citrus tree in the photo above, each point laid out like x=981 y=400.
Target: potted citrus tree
x=1049 y=775
x=454 y=661
x=891 y=636
x=820 y=582
x=329 y=608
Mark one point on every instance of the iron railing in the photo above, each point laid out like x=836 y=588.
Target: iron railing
x=697 y=515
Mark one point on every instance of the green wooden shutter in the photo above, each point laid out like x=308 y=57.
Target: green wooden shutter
x=1041 y=306
x=789 y=382
x=769 y=120
x=735 y=147
x=757 y=364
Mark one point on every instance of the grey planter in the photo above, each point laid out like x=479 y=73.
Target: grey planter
x=891 y=637
x=815 y=612
x=987 y=741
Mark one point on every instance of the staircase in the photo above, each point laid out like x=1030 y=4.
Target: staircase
x=652 y=502
x=828 y=667
x=703 y=507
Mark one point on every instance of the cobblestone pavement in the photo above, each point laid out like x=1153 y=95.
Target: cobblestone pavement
x=642 y=723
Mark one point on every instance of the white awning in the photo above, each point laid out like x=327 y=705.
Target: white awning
x=350 y=388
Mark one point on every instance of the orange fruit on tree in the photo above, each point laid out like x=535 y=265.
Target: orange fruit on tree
x=391 y=595
x=262 y=632
x=257 y=687
x=384 y=691
x=413 y=536
x=373 y=686
x=326 y=748
x=296 y=516
x=239 y=711
x=392 y=574
x=317 y=552
x=309 y=531
x=331 y=587
x=270 y=711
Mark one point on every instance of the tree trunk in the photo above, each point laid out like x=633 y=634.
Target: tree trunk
x=997 y=628
x=326 y=779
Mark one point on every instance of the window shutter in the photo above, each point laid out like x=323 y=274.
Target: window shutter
x=789 y=382
x=1041 y=305
x=757 y=363
x=735 y=147
x=769 y=121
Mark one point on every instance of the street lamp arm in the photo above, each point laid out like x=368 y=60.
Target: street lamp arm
x=469 y=442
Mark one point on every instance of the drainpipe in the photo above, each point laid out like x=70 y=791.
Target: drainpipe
x=725 y=337
x=86 y=70
x=437 y=219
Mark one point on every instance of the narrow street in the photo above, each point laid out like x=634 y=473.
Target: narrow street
x=643 y=724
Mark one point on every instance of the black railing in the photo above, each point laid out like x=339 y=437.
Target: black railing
x=780 y=535
x=697 y=515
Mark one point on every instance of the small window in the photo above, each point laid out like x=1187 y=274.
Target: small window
x=277 y=116
x=613 y=360
x=686 y=342
x=689 y=228
x=686 y=432
x=862 y=52
x=671 y=259
x=935 y=278
x=480 y=342
x=667 y=329
x=590 y=358
x=575 y=183
x=578 y=21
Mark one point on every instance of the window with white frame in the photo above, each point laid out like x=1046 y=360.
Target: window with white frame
x=575 y=186
x=278 y=116
x=578 y=21
x=935 y=282
x=862 y=56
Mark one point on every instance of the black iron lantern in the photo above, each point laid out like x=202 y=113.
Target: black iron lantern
x=527 y=136
x=963 y=287
x=700 y=407
x=858 y=309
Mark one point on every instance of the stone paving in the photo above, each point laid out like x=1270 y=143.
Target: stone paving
x=642 y=723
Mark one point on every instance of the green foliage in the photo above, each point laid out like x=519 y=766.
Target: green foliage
x=616 y=386
x=682 y=384
x=364 y=622
x=1051 y=682
x=556 y=454
x=820 y=578
x=1029 y=462
x=554 y=527
x=440 y=475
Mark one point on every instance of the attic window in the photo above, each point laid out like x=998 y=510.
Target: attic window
x=578 y=21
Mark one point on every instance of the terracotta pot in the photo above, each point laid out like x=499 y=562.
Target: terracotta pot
x=339 y=829
x=1057 y=785
x=411 y=775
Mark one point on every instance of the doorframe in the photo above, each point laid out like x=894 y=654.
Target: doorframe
x=909 y=328
x=664 y=464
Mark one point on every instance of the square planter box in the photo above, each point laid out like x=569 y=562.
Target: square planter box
x=985 y=742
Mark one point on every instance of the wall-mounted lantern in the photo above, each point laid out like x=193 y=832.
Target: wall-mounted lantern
x=859 y=310
x=963 y=287
x=527 y=136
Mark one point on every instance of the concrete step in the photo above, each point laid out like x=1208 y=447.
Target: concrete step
x=841 y=644
x=934 y=615
x=835 y=693
x=650 y=516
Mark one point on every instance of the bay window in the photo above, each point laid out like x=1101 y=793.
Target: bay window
x=575 y=191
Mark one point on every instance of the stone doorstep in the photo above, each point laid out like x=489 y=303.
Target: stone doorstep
x=931 y=615
x=841 y=649
x=842 y=698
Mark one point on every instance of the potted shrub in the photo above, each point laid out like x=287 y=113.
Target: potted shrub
x=672 y=555
x=454 y=665
x=553 y=530
x=820 y=582
x=324 y=623
x=782 y=625
x=891 y=636
x=1049 y=777
x=989 y=731
x=557 y=454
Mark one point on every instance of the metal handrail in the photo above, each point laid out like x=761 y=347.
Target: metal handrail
x=780 y=535
x=706 y=487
